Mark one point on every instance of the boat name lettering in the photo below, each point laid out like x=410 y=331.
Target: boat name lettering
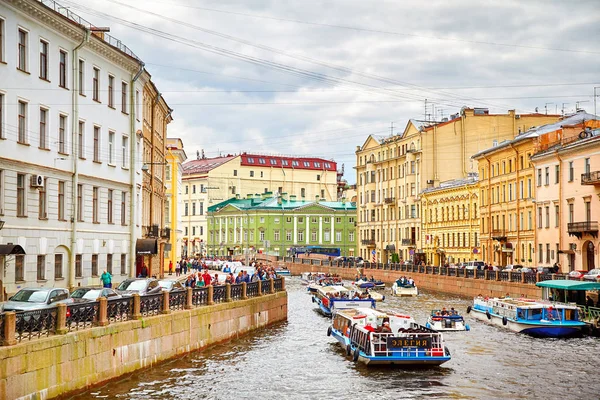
x=410 y=341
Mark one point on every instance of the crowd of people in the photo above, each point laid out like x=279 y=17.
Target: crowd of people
x=403 y=281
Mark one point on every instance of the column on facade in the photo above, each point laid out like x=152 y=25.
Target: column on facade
x=241 y=236
x=320 y=230
x=307 y=229
x=219 y=238
x=226 y=229
x=295 y=233
x=332 y=230
x=235 y=239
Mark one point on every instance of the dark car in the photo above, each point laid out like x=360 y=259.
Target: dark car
x=35 y=298
x=170 y=285
x=93 y=293
x=140 y=286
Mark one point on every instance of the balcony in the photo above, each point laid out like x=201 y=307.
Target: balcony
x=408 y=242
x=368 y=242
x=499 y=235
x=579 y=229
x=390 y=200
x=590 y=178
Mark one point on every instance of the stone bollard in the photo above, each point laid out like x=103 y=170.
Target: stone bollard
x=465 y=273
x=522 y=277
x=137 y=313
x=537 y=277
x=228 y=292
x=189 y=297
x=166 y=308
x=244 y=291
x=497 y=275
x=102 y=312
x=282 y=284
x=260 y=293
x=211 y=295
x=510 y=276
x=485 y=274
x=61 y=319
x=272 y=289
x=10 y=326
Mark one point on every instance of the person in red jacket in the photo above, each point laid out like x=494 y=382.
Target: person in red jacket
x=206 y=278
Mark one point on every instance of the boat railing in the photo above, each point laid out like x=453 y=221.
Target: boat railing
x=589 y=313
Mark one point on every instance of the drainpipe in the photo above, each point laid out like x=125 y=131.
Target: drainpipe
x=132 y=151
x=463 y=144
x=519 y=227
x=489 y=201
x=75 y=156
x=560 y=208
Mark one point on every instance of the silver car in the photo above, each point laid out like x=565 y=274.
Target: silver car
x=35 y=298
x=592 y=275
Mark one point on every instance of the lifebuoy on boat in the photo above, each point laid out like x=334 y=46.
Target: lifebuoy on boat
x=504 y=320
x=488 y=315
x=468 y=309
x=356 y=354
x=329 y=331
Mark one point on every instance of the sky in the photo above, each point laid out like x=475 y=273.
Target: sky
x=316 y=78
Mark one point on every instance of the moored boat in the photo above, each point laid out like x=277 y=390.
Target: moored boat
x=404 y=289
x=533 y=317
x=333 y=298
x=281 y=271
x=378 y=338
x=447 y=321
x=371 y=284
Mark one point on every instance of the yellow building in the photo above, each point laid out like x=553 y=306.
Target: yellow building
x=175 y=156
x=450 y=222
x=508 y=197
x=209 y=181
x=393 y=171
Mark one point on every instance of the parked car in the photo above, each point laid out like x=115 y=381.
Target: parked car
x=592 y=275
x=474 y=265
x=93 y=293
x=513 y=267
x=170 y=284
x=35 y=298
x=340 y=259
x=527 y=270
x=230 y=266
x=543 y=270
x=359 y=261
x=577 y=274
x=138 y=285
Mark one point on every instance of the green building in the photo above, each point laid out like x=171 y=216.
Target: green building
x=281 y=225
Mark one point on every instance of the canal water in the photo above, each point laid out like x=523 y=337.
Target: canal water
x=297 y=360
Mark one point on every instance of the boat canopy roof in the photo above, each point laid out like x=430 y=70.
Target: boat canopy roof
x=569 y=285
x=333 y=289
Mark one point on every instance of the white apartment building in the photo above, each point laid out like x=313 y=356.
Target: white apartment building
x=69 y=140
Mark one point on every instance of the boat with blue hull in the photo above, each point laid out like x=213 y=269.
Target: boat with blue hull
x=333 y=298
x=532 y=317
x=379 y=338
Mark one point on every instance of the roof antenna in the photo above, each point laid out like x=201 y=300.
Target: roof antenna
x=197 y=155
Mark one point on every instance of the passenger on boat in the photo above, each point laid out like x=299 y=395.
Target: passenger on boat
x=385 y=328
x=444 y=311
x=589 y=302
x=411 y=282
x=453 y=311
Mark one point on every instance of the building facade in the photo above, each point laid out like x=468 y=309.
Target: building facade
x=450 y=229
x=209 y=181
x=568 y=196
x=393 y=171
x=509 y=206
x=68 y=148
x=276 y=224
x=175 y=156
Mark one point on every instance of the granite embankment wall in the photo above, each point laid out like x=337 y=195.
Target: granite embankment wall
x=61 y=364
x=468 y=287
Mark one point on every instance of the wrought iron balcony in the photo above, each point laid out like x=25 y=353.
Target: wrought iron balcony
x=579 y=229
x=590 y=178
x=408 y=242
x=499 y=235
x=390 y=200
x=368 y=242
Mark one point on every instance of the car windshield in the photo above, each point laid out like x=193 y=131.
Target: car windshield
x=31 y=296
x=132 y=285
x=165 y=284
x=595 y=271
x=92 y=294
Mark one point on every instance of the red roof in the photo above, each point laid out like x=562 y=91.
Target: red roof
x=316 y=164
x=204 y=165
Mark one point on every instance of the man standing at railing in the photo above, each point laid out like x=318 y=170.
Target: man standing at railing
x=106 y=279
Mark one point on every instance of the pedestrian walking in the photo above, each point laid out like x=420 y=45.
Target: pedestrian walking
x=171 y=267
x=106 y=279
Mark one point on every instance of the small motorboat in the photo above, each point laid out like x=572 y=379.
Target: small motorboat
x=372 y=284
x=281 y=271
x=333 y=298
x=405 y=289
x=446 y=321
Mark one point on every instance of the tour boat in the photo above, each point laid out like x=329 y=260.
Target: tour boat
x=449 y=321
x=375 y=295
x=332 y=298
x=364 y=284
x=404 y=290
x=534 y=317
x=281 y=271
x=378 y=338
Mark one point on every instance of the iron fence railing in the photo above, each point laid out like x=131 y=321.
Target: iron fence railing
x=479 y=274
x=265 y=287
x=252 y=289
x=177 y=299
x=35 y=324
x=151 y=304
x=515 y=277
x=531 y=277
x=278 y=284
x=119 y=309
x=219 y=293
x=200 y=296
x=503 y=276
x=81 y=316
x=236 y=291
x=545 y=277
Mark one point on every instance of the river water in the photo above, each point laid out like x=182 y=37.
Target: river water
x=297 y=360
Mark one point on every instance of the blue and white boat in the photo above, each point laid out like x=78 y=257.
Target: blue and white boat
x=333 y=298
x=533 y=317
x=378 y=338
x=446 y=321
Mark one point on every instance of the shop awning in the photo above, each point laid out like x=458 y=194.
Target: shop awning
x=569 y=284
x=391 y=247
x=6 y=249
x=566 y=252
x=146 y=246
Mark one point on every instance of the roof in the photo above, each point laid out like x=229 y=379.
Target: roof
x=471 y=180
x=533 y=133
x=310 y=163
x=272 y=203
x=204 y=165
x=569 y=285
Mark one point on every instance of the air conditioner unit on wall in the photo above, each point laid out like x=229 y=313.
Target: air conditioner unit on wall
x=37 y=181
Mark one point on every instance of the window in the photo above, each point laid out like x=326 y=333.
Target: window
x=137 y=105
x=301 y=236
x=276 y=235
x=556 y=216
x=43 y=60
x=571 y=172
x=124 y=150
x=588 y=211
x=58 y=266
x=95 y=200
x=338 y=236
x=2 y=39
x=547 y=216
x=62 y=134
x=61 y=200
x=109 y=205
x=318 y=177
x=43 y=201
x=111 y=148
x=111 y=91
x=62 y=69
x=80 y=138
x=351 y=220
x=124 y=97
x=41 y=267
x=123 y=203
x=22 y=122
x=262 y=220
x=201 y=211
x=19 y=268
x=109 y=263
x=43 y=128
x=123 y=264
x=540 y=252
x=338 y=220
x=186 y=207
x=78 y=271
x=313 y=236
x=273 y=161
x=81 y=75
x=251 y=174
x=351 y=237
x=261 y=236
x=193 y=208
x=96 y=85
x=22 y=61
x=288 y=236
x=587 y=166
x=21 y=200
x=539 y=177
x=302 y=192
x=261 y=161
x=547 y=252
x=96 y=144
x=1 y=107
x=556 y=173
x=235 y=172
x=529 y=220
x=323 y=194
x=79 y=202
x=547 y=176
x=326 y=236
x=539 y=224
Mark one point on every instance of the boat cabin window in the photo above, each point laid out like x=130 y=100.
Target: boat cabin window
x=571 y=315
x=534 y=314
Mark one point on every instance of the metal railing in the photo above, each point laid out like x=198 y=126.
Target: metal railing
x=470 y=273
x=531 y=277
x=35 y=324
x=480 y=274
x=590 y=178
x=265 y=287
x=236 y=291
x=219 y=293
x=408 y=242
x=503 y=276
x=200 y=296
x=516 y=277
x=118 y=310
x=252 y=289
x=81 y=316
x=278 y=284
x=151 y=304
x=582 y=227
x=177 y=299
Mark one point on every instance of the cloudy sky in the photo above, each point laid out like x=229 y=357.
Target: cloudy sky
x=315 y=78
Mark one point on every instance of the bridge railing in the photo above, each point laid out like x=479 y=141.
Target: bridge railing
x=21 y=326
